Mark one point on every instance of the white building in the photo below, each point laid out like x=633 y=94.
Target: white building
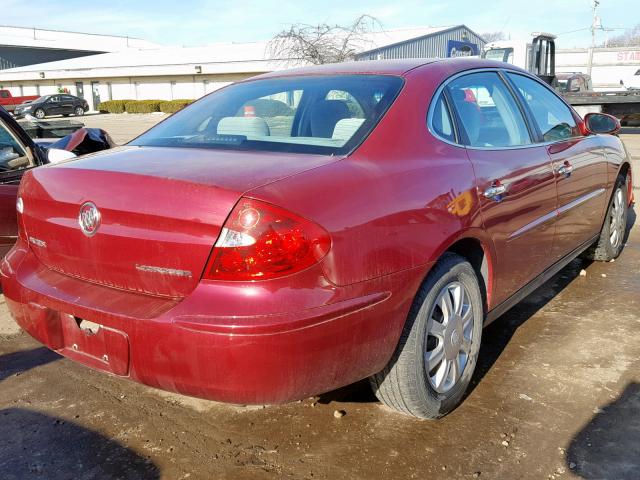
x=168 y=73
x=164 y=73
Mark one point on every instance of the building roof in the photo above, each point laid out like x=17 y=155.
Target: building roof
x=218 y=58
x=58 y=39
x=213 y=59
x=389 y=38
x=397 y=37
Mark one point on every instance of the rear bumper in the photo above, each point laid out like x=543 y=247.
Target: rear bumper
x=250 y=344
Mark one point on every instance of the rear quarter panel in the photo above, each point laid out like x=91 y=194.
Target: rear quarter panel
x=396 y=203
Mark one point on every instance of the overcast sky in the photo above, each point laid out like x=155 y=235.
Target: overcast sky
x=199 y=22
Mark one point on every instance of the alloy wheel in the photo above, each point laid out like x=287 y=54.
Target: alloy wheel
x=616 y=226
x=449 y=337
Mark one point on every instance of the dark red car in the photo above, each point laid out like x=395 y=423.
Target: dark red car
x=303 y=230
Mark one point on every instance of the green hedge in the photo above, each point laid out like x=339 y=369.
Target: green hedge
x=113 y=106
x=174 y=105
x=143 y=106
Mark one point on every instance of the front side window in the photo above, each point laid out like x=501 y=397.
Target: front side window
x=553 y=117
x=13 y=156
x=488 y=112
x=324 y=115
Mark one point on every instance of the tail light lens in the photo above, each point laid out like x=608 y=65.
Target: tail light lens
x=261 y=241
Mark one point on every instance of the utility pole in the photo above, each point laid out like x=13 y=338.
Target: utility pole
x=595 y=24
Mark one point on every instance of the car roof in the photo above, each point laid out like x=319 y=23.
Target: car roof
x=379 y=67
x=399 y=67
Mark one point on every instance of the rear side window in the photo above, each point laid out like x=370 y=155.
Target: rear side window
x=441 y=120
x=553 y=117
x=488 y=112
x=316 y=114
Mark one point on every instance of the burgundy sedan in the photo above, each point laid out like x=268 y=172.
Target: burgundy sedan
x=302 y=230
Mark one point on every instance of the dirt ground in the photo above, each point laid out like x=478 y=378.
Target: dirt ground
x=556 y=396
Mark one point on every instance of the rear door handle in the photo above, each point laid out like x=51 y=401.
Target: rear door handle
x=565 y=169
x=495 y=192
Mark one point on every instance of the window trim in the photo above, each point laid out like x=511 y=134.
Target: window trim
x=532 y=127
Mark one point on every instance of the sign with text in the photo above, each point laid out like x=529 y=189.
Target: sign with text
x=456 y=48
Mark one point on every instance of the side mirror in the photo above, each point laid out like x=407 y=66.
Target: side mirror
x=55 y=155
x=601 y=123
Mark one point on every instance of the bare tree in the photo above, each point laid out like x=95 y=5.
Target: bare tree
x=493 y=36
x=324 y=43
x=630 y=38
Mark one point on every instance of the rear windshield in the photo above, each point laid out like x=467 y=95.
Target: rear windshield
x=323 y=115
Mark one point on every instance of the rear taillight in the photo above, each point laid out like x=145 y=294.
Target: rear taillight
x=261 y=241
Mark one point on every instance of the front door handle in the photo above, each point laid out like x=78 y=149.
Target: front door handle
x=496 y=191
x=565 y=169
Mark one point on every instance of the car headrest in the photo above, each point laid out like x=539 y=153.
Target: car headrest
x=247 y=126
x=325 y=115
x=346 y=127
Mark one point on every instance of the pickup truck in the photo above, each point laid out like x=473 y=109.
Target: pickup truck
x=9 y=102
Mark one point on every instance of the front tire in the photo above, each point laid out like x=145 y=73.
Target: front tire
x=39 y=114
x=438 y=349
x=611 y=240
x=79 y=111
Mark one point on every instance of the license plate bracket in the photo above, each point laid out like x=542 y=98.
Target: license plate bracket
x=95 y=345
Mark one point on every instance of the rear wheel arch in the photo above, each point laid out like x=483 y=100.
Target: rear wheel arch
x=625 y=171
x=479 y=255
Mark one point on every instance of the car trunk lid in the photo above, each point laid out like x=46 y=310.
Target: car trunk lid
x=161 y=211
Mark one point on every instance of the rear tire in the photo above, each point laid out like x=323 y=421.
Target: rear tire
x=611 y=240
x=79 y=111
x=444 y=327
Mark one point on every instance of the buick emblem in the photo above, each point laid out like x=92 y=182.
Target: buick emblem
x=89 y=218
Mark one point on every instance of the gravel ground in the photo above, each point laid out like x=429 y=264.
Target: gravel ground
x=556 y=395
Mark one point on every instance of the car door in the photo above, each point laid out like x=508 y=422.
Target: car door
x=514 y=178
x=17 y=155
x=578 y=160
x=53 y=105
x=66 y=104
